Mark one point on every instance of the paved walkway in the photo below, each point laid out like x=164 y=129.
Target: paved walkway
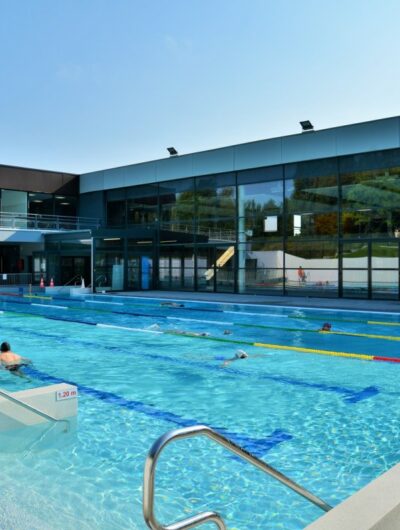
x=292 y=301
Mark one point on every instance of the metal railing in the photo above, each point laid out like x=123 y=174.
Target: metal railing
x=15 y=278
x=207 y=517
x=34 y=410
x=33 y=221
x=219 y=234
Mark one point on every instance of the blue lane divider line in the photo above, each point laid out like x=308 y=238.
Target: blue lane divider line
x=366 y=393
x=256 y=446
x=70 y=320
x=350 y=396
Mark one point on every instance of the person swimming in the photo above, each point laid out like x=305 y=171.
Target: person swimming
x=326 y=326
x=12 y=361
x=240 y=354
x=171 y=304
x=189 y=333
x=153 y=327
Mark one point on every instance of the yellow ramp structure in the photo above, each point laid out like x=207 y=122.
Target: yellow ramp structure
x=226 y=256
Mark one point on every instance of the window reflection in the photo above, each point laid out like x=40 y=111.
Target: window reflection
x=260 y=207
x=215 y=197
x=311 y=194
x=385 y=284
x=109 y=264
x=176 y=268
x=177 y=201
x=312 y=224
x=142 y=204
x=355 y=283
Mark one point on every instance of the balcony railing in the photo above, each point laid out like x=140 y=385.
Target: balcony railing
x=33 y=221
x=211 y=233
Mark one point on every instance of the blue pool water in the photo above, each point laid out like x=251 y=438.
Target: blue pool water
x=329 y=423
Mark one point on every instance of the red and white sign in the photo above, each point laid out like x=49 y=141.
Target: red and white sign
x=66 y=394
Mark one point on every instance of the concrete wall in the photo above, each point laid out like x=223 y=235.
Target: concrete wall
x=13 y=416
x=338 y=141
x=375 y=507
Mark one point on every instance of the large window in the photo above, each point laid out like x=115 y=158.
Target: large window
x=41 y=203
x=316 y=228
x=142 y=204
x=260 y=210
x=370 y=203
x=312 y=267
x=260 y=267
x=355 y=256
x=311 y=199
x=177 y=201
x=109 y=264
x=116 y=207
x=216 y=208
x=176 y=268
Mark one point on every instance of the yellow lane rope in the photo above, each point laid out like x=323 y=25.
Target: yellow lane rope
x=383 y=323
x=311 y=350
x=366 y=335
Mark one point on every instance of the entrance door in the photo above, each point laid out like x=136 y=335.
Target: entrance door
x=140 y=272
x=370 y=269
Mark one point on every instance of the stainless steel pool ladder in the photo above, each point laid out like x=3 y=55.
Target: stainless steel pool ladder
x=35 y=410
x=207 y=517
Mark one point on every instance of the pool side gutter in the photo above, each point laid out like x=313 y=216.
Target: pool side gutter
x=374 y=507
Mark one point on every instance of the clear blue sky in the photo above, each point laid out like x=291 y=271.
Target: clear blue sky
x=92 y=84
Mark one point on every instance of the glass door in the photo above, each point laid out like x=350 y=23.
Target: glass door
x=140 y=272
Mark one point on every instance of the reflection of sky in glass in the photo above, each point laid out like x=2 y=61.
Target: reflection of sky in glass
x=263 y=193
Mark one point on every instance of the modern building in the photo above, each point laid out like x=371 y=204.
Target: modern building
x=314 y=214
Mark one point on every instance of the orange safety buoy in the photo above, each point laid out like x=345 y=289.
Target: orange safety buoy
x=41 y=282
x=51 y=282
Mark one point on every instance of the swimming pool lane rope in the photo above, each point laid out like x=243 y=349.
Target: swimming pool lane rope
x=359 y=356
x=370 y=322
x=295 y=317
x=349 y=333
x=261 y=326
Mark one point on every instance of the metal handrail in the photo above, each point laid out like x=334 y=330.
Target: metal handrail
x=69 y=281
x=72 y=279
x=8 y=219
x=34 y=409
x=207 y=517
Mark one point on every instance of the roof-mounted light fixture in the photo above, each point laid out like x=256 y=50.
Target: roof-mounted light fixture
x=306 y=126
x=172 y=151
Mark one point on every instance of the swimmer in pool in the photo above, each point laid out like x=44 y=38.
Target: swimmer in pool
x=12 y=361
x=189 y=333
x=171 y=304
x=240 y=354
x=227 y=332
x=326 y=326
x=153 y=327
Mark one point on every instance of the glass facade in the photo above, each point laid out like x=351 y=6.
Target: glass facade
x=328 y=227
x=23 y=202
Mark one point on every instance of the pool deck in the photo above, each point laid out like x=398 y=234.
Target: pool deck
x=392 y=306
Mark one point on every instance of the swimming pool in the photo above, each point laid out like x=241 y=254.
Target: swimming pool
x=330 y=423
